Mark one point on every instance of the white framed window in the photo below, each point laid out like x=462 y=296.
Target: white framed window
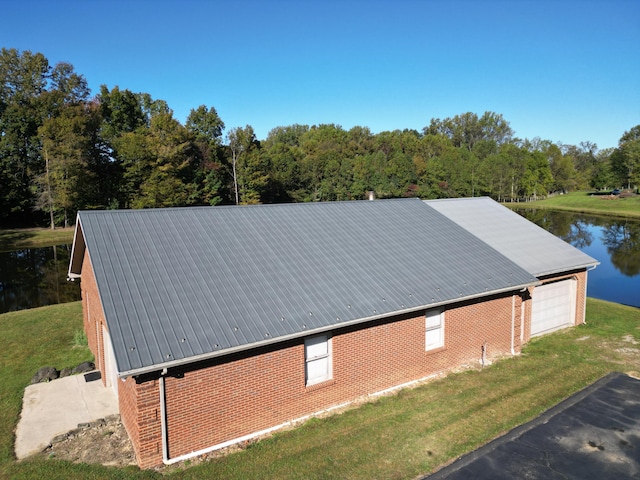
x=434 y=329
x=317 y=358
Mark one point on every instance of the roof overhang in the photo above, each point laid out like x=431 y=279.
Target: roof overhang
x=243 y=348
x=77 y=252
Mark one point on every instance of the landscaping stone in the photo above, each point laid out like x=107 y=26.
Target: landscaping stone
x=45 y=374
x=83 y=367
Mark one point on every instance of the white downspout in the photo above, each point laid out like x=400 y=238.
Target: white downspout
x=513 y=324
x=163 y=419
x=584 y=304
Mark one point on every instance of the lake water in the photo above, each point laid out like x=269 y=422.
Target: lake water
x=38 y=276
x=35 y=277
x=615 y=243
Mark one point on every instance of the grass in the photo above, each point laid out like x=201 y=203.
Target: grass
x=401 y=436
x=588 y=202
x=15 y=239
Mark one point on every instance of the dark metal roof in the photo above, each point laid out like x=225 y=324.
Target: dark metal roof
x=530 y=246
x=183 y=284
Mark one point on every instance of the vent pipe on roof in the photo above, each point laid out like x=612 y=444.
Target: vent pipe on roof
x=372 y=195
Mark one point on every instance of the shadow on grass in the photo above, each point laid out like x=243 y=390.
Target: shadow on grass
x=10 y=238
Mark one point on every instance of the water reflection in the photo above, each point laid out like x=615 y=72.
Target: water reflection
x=35 y=277
x=623 y=244
x=613 y=242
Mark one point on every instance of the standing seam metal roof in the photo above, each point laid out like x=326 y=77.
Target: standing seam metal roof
x=533 y=248
x=187 y=283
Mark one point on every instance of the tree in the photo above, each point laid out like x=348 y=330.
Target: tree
x=206 y=126
x=31 y=94
x=537 y=178
x=283 y=152
x=249 y=167
x=23 y=78
x=121 y=112
x=562 y=169
x=66 y=185
x=321 y=145
x=467 y=129
x=625 y=160
x=173 y=162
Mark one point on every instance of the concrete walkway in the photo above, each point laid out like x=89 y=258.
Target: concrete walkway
x=56 y=407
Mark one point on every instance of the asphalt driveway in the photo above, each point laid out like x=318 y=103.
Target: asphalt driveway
x=595 y=434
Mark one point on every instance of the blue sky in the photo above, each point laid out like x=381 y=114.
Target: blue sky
x=563 y=70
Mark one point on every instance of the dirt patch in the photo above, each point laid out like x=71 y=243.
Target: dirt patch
x=104 y=441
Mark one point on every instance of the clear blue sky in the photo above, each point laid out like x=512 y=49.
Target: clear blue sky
x=563 y=70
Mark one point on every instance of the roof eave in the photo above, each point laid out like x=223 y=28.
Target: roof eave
x=585 y=266
x=242 y=348
x=77 y=252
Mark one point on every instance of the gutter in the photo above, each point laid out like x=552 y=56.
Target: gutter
x=242 y=348
x=587 y=266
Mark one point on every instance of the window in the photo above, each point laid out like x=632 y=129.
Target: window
x=434 y=329
x=317 y=356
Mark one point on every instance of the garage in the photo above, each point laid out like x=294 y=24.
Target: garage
x=554 y=306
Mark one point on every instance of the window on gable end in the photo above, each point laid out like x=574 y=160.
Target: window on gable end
x=317 y=356
x=434 y=329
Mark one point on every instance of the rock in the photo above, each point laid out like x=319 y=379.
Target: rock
x=65 y=372
x=59 y=438
x=45 y=374
x=83 y=367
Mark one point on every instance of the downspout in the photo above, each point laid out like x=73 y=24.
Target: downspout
x=523 y=305
x=584 y=303
x=513 y=324
x=163 y=419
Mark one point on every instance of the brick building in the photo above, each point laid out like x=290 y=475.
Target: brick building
x=217 y=324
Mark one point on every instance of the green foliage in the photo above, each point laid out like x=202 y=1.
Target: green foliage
x=61 y=151
x=625 y=161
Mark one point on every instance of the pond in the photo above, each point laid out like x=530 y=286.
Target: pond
x=615 y=243
x=35 y=277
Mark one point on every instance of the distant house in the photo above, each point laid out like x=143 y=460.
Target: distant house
x=217 y=324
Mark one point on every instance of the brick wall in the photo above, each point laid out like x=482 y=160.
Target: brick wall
x=220 y=400
x=93 y=315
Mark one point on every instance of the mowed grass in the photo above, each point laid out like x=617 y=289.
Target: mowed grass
x=15 y=239
x=589 y=202
x=400 y=436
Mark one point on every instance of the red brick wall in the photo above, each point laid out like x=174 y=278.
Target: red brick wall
x=92 y=313
x=233 y=397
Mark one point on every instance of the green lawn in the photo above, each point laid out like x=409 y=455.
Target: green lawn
x=589 y=202
x=14 y=239
x=400 y=436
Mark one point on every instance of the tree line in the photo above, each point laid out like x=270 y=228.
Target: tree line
x=62 y=150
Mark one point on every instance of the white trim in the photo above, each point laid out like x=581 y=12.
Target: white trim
x=433 y=313
x=328 y=355
x=513 y=324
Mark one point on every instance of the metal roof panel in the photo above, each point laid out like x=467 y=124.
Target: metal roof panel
x=530 y=246
x=187 y=282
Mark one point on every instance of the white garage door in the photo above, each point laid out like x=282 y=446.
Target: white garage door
x=554 y=306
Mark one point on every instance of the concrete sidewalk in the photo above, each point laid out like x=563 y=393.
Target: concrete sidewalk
x=56 y=407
